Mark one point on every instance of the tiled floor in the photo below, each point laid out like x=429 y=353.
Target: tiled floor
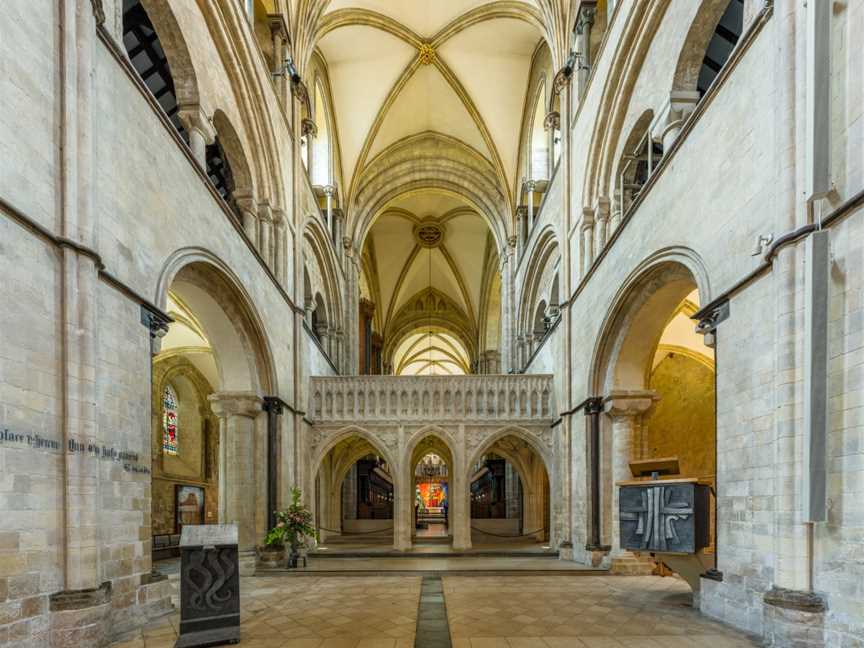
x=579 y=612
x=373 y=612
x=483 y=612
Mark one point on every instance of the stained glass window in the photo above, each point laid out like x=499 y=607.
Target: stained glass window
x=169 y=421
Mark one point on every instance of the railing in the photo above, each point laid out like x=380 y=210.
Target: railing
x=526 y=397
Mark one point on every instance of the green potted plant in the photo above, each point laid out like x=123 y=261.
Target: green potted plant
x=292 y=525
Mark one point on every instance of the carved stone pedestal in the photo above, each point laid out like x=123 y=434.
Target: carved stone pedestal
x=80 y=617
x=209 y=586
x=794 y=618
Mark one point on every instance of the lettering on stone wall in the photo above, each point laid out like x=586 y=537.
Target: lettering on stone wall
x=130 y=460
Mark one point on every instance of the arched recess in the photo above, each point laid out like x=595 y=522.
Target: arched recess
x=333 y=465
x=428 y=161
x=639 y=155
x=712 y=35
x=322 y=150
x=158 y=52
x=192 y=458
x=224 y=316
x=636 y=39
x=540 y=275
x=659 y=398
x=237 y=183
x=531 y=461
x=428 y=310
x=538 y=153
x=321 y=270
x=432 y=438
x=226 y=313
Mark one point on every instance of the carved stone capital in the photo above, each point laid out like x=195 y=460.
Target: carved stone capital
x=627 y=403
x=227 y=404
x=265 y=212
x=194 y=118
x=585 y=17
x=308 y=127
x=562 y=79
x=552 y=121
x=602 y=208
x=299 y=91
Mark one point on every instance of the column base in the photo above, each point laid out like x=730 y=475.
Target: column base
x=630 y=564
x=794 y=618
x=247 y=560
x=80 y=617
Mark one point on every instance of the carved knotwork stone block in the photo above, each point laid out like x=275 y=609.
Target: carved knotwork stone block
x=209 y=586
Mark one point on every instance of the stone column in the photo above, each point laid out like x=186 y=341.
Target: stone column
x=507 y=342
x=279 y=245
x=625 y=409
x=249 y=217
x=521 y=229
x=460 y=507
x=681 y=105
x=265 y=237
x=403 y=507
x=601 y=219
x=200 y=130
x=584 y=22
x=279 y=36
x=237 y=412
x=530 y=186
x=322 y=332
x=79 y=612
x=329 y=193
x=587 y=240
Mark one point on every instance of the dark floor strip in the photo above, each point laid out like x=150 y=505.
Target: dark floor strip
x=433 y=631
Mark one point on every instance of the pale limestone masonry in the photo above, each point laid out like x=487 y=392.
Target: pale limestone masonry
x=105 y=210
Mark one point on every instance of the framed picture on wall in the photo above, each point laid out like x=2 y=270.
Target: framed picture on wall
x=189 y=505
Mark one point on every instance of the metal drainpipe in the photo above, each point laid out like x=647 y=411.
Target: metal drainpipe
x=593 y=408
x=273 y=406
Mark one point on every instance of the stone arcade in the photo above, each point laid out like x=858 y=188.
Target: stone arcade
x=455 y=270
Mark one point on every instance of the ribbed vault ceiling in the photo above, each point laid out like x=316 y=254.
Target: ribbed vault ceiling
x=456 y=67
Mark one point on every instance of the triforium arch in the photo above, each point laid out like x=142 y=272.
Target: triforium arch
x=637 y=38
x=331 y=464
x=699 y=36
x=539 y=285
x=243 y=373
x=432 y=162
x=176 y=51
x=637 y=370
x=323 y=277
x=534 y=463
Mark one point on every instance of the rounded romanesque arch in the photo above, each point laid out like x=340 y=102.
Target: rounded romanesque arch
x=540 y=277
x=429 y=161
x=217 y=316
x=655 y=375
x=333 y=458
x=648 y=295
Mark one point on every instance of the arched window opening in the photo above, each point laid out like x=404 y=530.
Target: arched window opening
x=219 y=171
x=725 y=37
x=322 y=150
x=639 y=158
x=148 y=58
x=170 y=421
x=319 y=319
x=541 y=323
x=538 y=150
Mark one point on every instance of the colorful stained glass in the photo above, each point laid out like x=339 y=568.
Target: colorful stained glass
x=169 y=421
